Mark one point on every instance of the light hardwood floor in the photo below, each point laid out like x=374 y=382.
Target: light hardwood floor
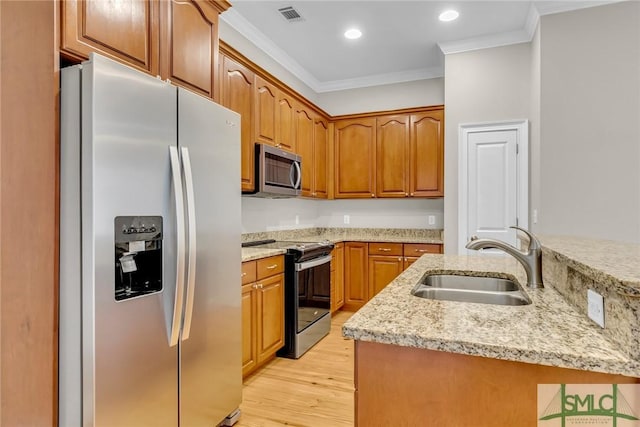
x=313 y=391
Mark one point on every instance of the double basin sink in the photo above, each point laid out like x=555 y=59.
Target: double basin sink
x=484 y=290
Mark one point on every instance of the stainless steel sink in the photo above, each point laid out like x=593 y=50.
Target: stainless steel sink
x=474 y=283
x=484 y=290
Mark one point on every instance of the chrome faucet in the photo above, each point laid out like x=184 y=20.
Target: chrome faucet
x=531 y=259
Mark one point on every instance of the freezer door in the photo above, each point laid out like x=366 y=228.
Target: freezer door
x=129 y=369
x=211 y=376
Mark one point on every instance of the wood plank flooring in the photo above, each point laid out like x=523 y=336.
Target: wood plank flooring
x=313 y=391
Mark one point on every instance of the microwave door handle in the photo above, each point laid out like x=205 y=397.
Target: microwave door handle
x=297 y=184
x=291 y=172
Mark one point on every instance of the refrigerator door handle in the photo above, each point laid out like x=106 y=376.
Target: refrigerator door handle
x=191 y=222
x=180 y=259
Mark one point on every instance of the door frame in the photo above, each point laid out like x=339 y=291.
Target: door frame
x=522 y=170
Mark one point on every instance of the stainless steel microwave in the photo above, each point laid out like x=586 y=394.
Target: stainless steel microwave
x=278 y=173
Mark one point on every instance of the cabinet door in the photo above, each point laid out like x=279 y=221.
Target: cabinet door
x=408 y=260
x=127 y=31
x=237 y=95
x=427 y=154
x=356 y=287
x=320 y=156
x=265 y=112
x=355 y=158
x=285 y=122
x=382 y=270
x=190 y=45
x=304 y=144
x=249 y=359
x=337 y=274
x=392 y=156
x=270 y=315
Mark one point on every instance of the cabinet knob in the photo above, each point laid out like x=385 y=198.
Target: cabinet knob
x=411 y=194
x=406 y=194
x=399 y=258
x=259 y=286
x=243 y=274
x=373 y=195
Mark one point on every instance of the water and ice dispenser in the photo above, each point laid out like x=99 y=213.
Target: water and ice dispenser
x=138 y=256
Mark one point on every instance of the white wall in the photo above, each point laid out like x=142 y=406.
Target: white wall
x=280 y=214
x=590 y=122
x=380 y=98
x=480 y=86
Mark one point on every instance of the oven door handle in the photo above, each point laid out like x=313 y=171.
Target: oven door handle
x=313 y=263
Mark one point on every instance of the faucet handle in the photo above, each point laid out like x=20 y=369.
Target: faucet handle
x=534 y=243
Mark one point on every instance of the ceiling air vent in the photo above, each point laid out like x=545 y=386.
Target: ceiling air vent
x=290 y=14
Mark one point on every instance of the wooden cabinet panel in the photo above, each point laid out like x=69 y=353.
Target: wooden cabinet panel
x=270 y=311
x=237 y=95
x=419 y=249
x=337 y=277
x=190 y=40
x=392 y=156
x=320 y=158
x=304 y=143
x=249 y=354
x=248 y=272
x=265 y=111
x=128 y=33
x=379 y=248
x=356 y=286
x=427 y=154
x=408 y=261
x=383 y=270
x=355 y=158
x=285 y=122
x=269 y=266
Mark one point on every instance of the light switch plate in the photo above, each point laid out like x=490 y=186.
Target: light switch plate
x=595 y=307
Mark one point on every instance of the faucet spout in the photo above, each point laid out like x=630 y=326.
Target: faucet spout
x=531 y=259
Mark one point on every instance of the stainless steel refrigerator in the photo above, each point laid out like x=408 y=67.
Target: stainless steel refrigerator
x=150 y=321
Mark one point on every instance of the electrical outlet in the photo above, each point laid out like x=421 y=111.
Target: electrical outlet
x=535 y=216
x=347 y=219
x=297 y=219
x=595 y=307
x=431 y=219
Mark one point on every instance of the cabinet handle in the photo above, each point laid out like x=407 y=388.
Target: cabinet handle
x=243 y=274
x=384 y=249
x=422 y=250
x=259 y=286
x=271 y=267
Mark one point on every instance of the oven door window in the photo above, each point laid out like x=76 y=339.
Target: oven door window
x=314 y=294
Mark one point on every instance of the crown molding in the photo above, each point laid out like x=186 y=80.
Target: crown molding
x=255 y=36
x=484 y=42
x=549 y=8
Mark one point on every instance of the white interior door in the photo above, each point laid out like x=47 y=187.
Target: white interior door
x=491 y=183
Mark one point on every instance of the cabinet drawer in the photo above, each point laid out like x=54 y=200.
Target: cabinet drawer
x=270 y=266
x=248 y=272
x=385 y=249
x=418 y=249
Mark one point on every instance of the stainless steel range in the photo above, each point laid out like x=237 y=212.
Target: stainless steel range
x=307 y=293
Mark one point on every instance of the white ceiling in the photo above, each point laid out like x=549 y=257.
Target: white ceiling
x=401 y=41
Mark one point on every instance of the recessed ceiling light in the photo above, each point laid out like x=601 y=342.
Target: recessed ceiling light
x=448 y=15
x=353 y=33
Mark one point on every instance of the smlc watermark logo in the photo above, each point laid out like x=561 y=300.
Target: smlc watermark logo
x=616 y=405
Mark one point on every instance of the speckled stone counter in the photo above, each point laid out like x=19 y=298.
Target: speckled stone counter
x=572 y=265
x=547 y=332
x=250 y=254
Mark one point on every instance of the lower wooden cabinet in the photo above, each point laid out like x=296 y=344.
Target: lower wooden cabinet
x=370 y=267
x=262 y=311
x=337 y=277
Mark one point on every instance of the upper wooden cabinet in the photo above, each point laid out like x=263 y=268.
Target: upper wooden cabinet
x=265 y=111
x=189 y=40
x=311 y=140
x=427 y=154
x=355 y=154
x=392 y=156
x=285 y=122
x=129 y=32
x=237 y=94
x=177 y=40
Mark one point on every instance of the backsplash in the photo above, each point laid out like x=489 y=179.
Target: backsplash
x=345 y=234
x=612 y=269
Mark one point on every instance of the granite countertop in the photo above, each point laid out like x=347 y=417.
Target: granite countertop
x=337 y=235
x=547 y=332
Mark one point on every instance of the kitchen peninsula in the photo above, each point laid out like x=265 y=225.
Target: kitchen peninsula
x=419 y=359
